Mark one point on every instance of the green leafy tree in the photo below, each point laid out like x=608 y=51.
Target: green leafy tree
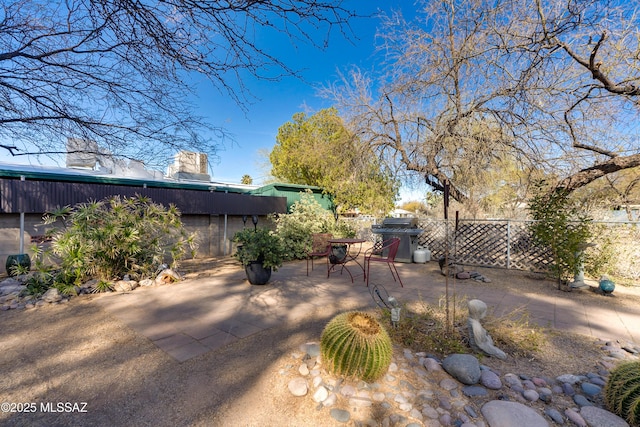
x=246 y=179
x=562 y=227
x=116 y=236
x=320 y=150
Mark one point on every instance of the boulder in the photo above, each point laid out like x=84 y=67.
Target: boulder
x=463 y=367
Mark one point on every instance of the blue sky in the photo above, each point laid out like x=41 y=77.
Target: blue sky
x=254 y=131
x=278 y=101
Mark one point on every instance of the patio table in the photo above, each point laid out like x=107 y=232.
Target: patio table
x=354 y=247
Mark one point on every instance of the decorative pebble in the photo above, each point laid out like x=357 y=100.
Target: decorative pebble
x=298 y=386
x=490 y=380
x=575 y=418
x=340 y=415
x=590 y=389
x=348 y=390
x=568 y=389
x=512 y=380
x=449 y=384
x=580 y=400
x=430 y=412
x=531 y=395
x=555 y=415
x=568 y=378
x=303 y=370
x=474 y=391
x=320 y=394
x=431 y=365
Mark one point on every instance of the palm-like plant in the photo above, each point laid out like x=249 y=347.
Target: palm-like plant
x=110 y=238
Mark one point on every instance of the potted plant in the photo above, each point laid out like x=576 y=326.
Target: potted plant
x=260 y=251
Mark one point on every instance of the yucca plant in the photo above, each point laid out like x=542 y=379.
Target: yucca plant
x=622 y=392
x=355 y=344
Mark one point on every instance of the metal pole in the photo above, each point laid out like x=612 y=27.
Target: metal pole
x=224 y=237
x=21 y=232
x=22 y=178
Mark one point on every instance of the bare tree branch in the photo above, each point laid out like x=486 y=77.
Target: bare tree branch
x=117 y=71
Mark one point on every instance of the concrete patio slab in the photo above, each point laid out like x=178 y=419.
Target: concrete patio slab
x=198 y=315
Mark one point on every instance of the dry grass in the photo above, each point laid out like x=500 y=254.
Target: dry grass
x=426 y=326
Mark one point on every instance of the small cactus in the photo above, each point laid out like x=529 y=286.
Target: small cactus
x=355 y=344
x=622 y=392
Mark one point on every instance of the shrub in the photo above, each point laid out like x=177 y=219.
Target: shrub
x=307 y=217
x=355 y=344
x=116 y=236
x=622 y=392
x=562 y=228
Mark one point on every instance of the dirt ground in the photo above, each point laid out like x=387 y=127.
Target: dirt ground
x=74 y=364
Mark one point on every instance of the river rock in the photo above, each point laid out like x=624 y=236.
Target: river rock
x=490 y=380
x=298 y=386
x=601 y=418
x=500 y=413
x=463 y=367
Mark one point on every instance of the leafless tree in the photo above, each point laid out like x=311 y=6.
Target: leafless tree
x=117 y=72
x=553 y=85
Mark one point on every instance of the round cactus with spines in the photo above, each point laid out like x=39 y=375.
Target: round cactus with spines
x=355 y=344
x=622 y=392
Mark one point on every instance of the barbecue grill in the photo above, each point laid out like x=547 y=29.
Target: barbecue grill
x=406 y=229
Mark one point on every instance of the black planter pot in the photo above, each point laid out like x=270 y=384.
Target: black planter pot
x=22 y=260
x=257 y=274
x=338 y=254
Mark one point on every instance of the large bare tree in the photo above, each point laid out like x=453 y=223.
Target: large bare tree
x=553 y=85
x=118 y=72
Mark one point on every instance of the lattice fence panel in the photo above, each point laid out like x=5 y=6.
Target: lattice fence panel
x=504 y=244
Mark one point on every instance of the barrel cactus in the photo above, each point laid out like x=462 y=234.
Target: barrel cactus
x=622 y=392
x=355 y=344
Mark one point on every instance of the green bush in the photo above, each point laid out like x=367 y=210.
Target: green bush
x=622 y=392
x=111 y=238
x=306 y=218
x=562 y=227
x=355 y=344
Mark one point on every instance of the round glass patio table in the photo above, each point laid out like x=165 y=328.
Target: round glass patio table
x=353 y=250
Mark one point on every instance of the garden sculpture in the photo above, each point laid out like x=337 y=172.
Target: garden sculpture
x=479 y=339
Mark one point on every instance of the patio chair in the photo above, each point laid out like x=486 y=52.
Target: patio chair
x=320 y=247
x=384 y=251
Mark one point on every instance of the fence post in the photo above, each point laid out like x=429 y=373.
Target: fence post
x=508 y=244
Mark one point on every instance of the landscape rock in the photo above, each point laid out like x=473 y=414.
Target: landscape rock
x=463 y=367
x=500 y=413
x=146 y=282
x=52 y=295
x=298 y=386
x=598 y=417
x=490 y=380
x=125 y=285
